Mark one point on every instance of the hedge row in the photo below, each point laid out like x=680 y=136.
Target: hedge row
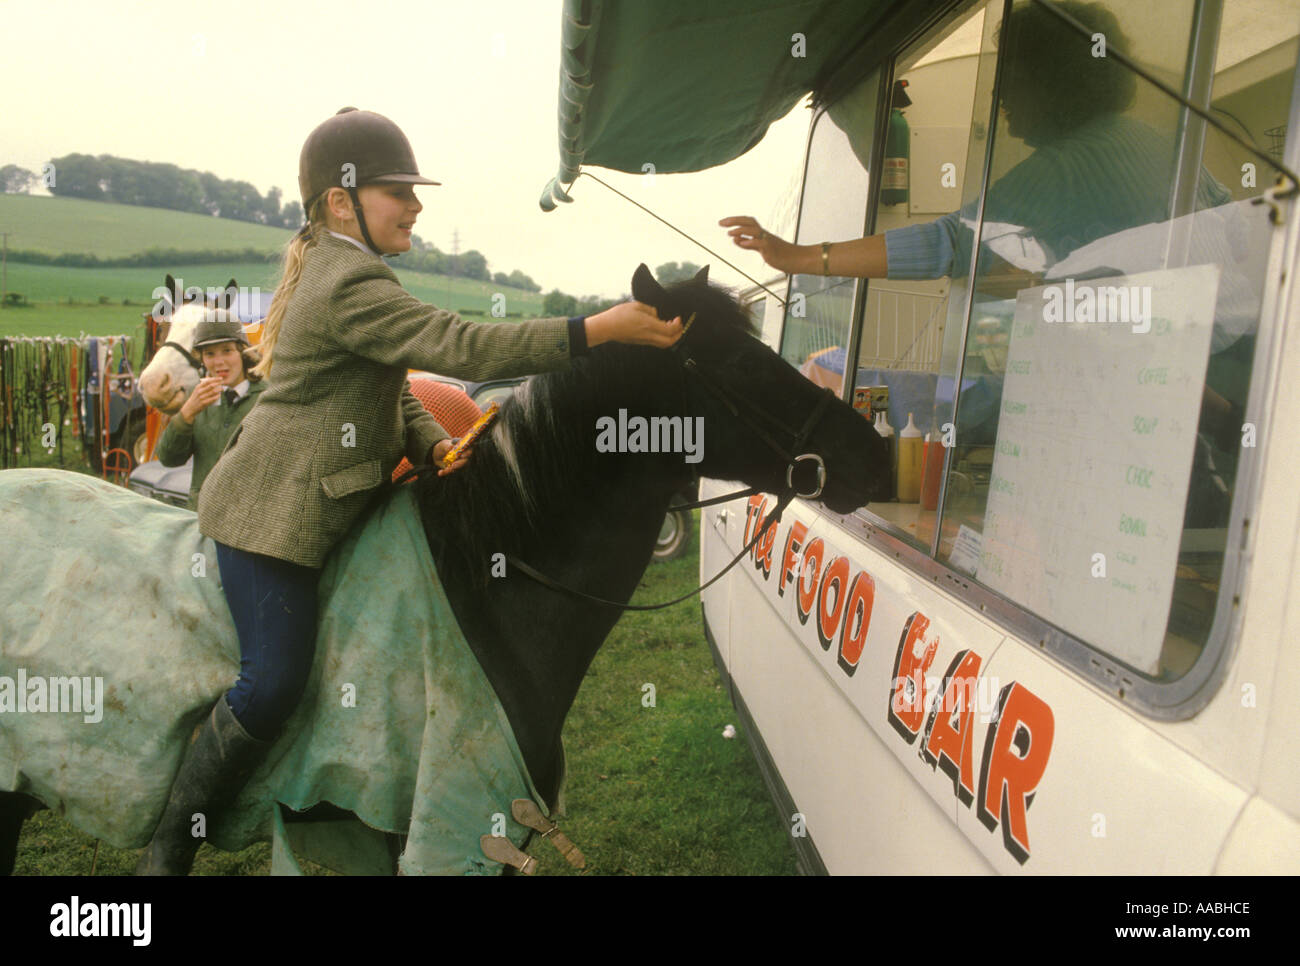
x=149 y=258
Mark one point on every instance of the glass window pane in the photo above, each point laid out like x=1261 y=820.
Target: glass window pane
x=836 y=184
x=1116 y=303
x=934 y=158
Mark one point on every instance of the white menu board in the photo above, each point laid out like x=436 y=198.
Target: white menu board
x=1094 y=453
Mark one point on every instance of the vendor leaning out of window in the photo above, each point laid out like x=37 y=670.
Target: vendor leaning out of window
x=223 y=397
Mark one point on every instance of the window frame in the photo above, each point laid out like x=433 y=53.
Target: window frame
x=860 y=285
x=1186 y=696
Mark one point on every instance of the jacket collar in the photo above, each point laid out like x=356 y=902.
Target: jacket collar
x=352 y=241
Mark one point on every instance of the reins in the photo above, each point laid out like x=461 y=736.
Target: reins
x=739 y=408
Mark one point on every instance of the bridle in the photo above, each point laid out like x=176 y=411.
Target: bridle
x=743 y=410
x=746 y=412
x=189 y=356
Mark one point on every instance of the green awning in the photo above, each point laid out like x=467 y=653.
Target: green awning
x=690 y=84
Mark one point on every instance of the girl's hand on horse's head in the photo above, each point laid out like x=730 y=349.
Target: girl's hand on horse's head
x=747 y=233
x=634 y=323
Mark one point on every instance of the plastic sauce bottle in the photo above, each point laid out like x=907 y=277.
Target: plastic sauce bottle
x=931 y=474
x=911 y=454
x=886 y=433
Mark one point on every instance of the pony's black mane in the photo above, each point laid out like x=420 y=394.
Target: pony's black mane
x=539 y=455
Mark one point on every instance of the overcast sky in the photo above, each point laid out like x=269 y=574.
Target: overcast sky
x=234 y=88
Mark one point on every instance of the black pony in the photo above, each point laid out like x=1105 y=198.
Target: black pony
x=538 y=489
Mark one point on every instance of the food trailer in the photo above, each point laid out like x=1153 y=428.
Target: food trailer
x=1067 y=644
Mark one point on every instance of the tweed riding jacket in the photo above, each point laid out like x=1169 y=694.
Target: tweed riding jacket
x=337 y=415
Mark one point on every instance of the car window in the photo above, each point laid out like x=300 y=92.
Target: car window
x=488 y=395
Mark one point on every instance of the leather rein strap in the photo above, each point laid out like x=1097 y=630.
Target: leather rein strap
x=739 y=408
x=546 y=581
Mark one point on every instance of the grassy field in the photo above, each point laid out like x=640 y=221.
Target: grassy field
x=59 y=225
x=57 y=291
x=651 y=791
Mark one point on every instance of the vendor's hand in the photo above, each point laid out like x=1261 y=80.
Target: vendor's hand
x=441 y=449
x=749 y=234
x=634 y=323
x=204 y=395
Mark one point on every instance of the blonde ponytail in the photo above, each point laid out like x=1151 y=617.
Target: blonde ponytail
x=289 y=275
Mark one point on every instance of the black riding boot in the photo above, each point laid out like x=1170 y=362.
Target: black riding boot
x=216 y=768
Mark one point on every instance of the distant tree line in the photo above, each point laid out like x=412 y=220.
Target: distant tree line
x=155 y=185
x=424 y=257
x=149 y=258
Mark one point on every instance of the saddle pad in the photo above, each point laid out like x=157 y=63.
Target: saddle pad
x=398 y=723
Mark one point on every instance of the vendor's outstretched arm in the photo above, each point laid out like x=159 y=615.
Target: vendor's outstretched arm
x=860 y=258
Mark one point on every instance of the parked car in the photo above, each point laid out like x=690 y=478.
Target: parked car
x=484 y=394
x=167 y=484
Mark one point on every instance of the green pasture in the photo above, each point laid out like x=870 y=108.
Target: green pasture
x=65 y=225
x=68 y=301
x=651 y=790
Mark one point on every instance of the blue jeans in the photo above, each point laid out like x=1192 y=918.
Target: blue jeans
x=273 y=603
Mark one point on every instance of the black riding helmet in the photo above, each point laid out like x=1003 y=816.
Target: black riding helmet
x=351 y=149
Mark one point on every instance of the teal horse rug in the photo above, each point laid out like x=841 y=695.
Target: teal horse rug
x=116 y=640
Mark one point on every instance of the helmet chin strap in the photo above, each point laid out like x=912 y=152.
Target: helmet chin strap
x=361 y=220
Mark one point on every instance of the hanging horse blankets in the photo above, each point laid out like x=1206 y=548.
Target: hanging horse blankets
x=115 y=641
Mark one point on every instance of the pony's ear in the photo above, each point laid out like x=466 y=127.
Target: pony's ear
x=177 y=296
x=646 y=289
x=702 y=276
x=230 y=295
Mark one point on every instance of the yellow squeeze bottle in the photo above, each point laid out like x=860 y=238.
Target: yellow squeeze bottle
x=911 y=454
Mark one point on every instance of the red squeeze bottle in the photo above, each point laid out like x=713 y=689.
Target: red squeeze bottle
x=931 y=475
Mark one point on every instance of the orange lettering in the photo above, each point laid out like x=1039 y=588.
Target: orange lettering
x=809 y=571
x=908 y=714
x=1016 y=749
x=949 y=747
x=793 y=543
x=828 y=619
x=858 y=612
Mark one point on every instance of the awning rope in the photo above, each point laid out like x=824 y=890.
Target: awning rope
x=689 y=238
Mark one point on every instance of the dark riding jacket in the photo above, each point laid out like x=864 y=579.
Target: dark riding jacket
x=206 y=438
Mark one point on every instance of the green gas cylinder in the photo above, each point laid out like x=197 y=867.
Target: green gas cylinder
x=894 y=177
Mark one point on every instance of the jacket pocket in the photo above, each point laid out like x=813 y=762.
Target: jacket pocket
x=362 y=476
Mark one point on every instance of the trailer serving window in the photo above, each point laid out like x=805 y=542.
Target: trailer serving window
x=819 y=311
x=1073 y=312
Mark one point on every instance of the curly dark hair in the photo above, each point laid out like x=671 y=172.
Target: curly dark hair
x=1052 y=83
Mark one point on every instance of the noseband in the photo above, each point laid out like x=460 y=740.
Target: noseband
x=188 y=355
x=745 y=411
